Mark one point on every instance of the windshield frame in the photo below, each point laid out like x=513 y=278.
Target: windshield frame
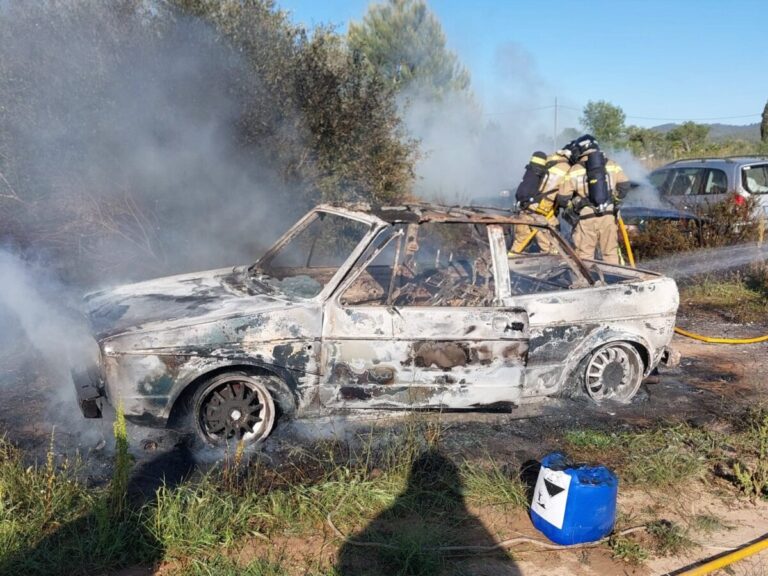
x=374 y=227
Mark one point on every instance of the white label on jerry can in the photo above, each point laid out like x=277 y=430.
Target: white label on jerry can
x=551 y=495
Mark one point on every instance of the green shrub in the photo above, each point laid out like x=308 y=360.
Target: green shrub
x=724 y=223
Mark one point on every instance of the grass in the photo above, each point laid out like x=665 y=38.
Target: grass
x=589 y=439
x=655 y=458
x=414 y=553
x=491 y=486
x=751 y=471
x=225 y=566
x=670 y=539
x=627 y=550
x=118 y=488
x=51 y=522
x=670 y=455
x=737 y=296
x=707 y=524
x=401 y=492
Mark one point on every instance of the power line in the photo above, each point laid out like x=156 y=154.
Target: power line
x=562 y=107
x=517 y=111
x=694 y=119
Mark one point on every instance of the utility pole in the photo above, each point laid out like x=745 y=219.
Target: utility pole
x=554 y=134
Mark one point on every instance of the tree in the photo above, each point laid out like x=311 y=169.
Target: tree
x=646 y=142
x=124 y=125
x=604 y=121
x=405 y=43
x=764 y=125
x=689 y=137
x=331 y=121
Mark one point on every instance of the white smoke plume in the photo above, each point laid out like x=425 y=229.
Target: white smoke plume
x=40 y=308
x=645 y=195
x=127 y=146
x=470 y=153
x=42 y=332
x=120 y=159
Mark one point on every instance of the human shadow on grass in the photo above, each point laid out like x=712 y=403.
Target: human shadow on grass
x=112 y=534
x=412 y=536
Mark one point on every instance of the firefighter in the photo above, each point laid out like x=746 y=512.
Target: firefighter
x=542 y=182
x=593 y=189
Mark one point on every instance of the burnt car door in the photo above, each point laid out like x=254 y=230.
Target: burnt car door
x=464 y=349
x=420 y=325
x=361 y=365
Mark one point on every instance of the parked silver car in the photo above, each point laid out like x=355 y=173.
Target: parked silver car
x=691 y=183
x=403 y=307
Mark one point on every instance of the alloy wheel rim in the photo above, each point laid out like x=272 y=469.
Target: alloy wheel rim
x=233 y=409
x=612 y=373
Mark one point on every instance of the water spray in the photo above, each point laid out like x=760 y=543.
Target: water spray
x=681 y=331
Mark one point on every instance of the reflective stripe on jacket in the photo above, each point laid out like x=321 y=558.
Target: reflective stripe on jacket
x=576 y=184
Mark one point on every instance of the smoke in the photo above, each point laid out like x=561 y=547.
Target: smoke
x=469 y=153
x=40 y=307
x=125 y=152
x=645 y=195
x=120 y=158
x=38 y=312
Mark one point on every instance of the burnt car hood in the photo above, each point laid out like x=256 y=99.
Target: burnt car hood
x=190 y=298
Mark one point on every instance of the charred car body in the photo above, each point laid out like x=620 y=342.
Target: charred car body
x=403 y=307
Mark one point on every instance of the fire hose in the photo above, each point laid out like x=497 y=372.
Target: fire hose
x=724 y=560
x=678 y=330
x=547 y=216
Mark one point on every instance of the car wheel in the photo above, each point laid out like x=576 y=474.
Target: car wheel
x=234 y=407
x=613 y=372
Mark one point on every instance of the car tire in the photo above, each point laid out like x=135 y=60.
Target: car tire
x=613 y=372
x=233 y=407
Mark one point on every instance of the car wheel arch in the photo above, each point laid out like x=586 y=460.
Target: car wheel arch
x=280 y=387
x=590 y=345
x=645 y=355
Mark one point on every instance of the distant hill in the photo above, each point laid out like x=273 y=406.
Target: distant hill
x=749 y=132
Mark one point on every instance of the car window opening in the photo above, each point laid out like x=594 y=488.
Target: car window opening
x=304 y=265
x=429 y=264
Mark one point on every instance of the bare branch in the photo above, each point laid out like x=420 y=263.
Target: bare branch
x=13 y=195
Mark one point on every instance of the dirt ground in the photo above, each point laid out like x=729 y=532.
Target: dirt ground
x=711 y=382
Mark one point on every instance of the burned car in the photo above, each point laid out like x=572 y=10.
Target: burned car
x=407 y=307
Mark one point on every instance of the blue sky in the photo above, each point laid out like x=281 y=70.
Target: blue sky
x=660 y=61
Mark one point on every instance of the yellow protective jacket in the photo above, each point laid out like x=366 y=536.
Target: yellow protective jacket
x=576 y=186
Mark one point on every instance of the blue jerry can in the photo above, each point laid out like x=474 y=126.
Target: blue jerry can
x=574 y=504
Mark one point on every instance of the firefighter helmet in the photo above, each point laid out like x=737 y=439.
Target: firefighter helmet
x=584 y=145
